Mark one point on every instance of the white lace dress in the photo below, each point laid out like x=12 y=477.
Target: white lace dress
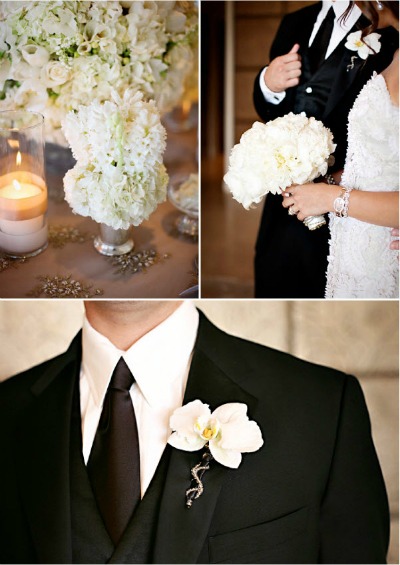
x=360 y=263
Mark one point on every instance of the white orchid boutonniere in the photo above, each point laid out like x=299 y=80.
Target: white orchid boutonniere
x=225 y=434
x=365 y=46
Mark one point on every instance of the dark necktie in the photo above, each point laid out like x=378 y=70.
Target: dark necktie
x=113 y=465
x=317 y=50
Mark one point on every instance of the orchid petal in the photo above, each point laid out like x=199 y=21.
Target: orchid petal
x=184 y=418
x=192 y=443
x=245 y=438
x=230 y=412
x=237 y=431
x=228 y=457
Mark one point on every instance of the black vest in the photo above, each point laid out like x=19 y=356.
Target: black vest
x=90 y=540
x=313 y=92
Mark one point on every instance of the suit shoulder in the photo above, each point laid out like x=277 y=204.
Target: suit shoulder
x=270 y=367
x=303 y=14
x=285 y=363
x=15 y=392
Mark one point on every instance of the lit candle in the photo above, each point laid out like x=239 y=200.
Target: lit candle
x=23 y=203
x=18 y=190
x=22 y=196
x=23 y=192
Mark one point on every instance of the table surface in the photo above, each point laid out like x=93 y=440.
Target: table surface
x=81 y=270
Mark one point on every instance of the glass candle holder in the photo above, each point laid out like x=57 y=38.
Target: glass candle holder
x=183 y=193
x=23 y=191
x=182 y=118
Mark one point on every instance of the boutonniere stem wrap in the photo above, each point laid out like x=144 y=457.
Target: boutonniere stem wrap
x=226 y=433
x=196 y=488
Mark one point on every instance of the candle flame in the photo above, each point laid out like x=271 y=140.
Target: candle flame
x=18 y=159
x=16 y=184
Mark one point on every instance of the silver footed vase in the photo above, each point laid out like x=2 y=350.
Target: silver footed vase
x=113 y=242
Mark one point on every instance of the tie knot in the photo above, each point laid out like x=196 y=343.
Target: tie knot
x=331 y=14
x=122 y=378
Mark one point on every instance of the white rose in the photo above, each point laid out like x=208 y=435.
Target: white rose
x=35 y=55
x=55 y=73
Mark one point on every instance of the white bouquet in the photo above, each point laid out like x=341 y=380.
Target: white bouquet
x=119 y=178
x=57 y=55
x=270 y=157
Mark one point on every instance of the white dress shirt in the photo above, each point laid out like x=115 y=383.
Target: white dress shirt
x=340 y=30
x=159 y=362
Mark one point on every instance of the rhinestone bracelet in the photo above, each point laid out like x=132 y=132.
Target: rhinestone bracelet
x=346 y=197
x=341 y=203
x=329 y=179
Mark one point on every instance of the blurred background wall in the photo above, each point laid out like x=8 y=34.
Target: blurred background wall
x=236 y=40
x=358 y=337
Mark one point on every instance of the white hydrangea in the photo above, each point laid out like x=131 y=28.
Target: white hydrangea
x=119 y=178
x=57 y=55
x=270 y=157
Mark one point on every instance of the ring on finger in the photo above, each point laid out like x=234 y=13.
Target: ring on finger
x=291 y=211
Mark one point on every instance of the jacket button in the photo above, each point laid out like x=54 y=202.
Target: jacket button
x=309 y=90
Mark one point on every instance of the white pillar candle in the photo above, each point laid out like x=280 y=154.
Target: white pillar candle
x=23 y=203
x=22 y=227
x=16 y=245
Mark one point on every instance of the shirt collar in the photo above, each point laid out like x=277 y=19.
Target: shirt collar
x=157 y=360
x=339 y=7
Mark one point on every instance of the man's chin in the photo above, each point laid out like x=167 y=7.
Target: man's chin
x=125 y=305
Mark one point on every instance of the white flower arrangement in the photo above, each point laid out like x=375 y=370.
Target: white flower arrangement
x=368 y=45
x=57 y=55
x=119 y=178
x=271 y=157
x=227 y=431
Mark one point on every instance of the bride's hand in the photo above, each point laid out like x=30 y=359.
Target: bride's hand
x=395 y=241
x=310 y=199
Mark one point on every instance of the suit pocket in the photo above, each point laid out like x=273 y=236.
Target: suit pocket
x=233 y=546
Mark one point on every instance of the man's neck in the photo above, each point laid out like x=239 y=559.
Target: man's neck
x=125 y=322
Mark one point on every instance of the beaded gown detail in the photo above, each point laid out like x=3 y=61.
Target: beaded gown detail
x=360 y=262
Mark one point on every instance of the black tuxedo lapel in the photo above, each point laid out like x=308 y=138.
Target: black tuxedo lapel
x=297 y=30
x=42 y=455
x=182 y=532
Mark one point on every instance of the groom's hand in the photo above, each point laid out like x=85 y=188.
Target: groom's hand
x=284 y=72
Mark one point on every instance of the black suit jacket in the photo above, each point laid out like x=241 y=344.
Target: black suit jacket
x=291 y=261
x=296 y=27
x=313 y=493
